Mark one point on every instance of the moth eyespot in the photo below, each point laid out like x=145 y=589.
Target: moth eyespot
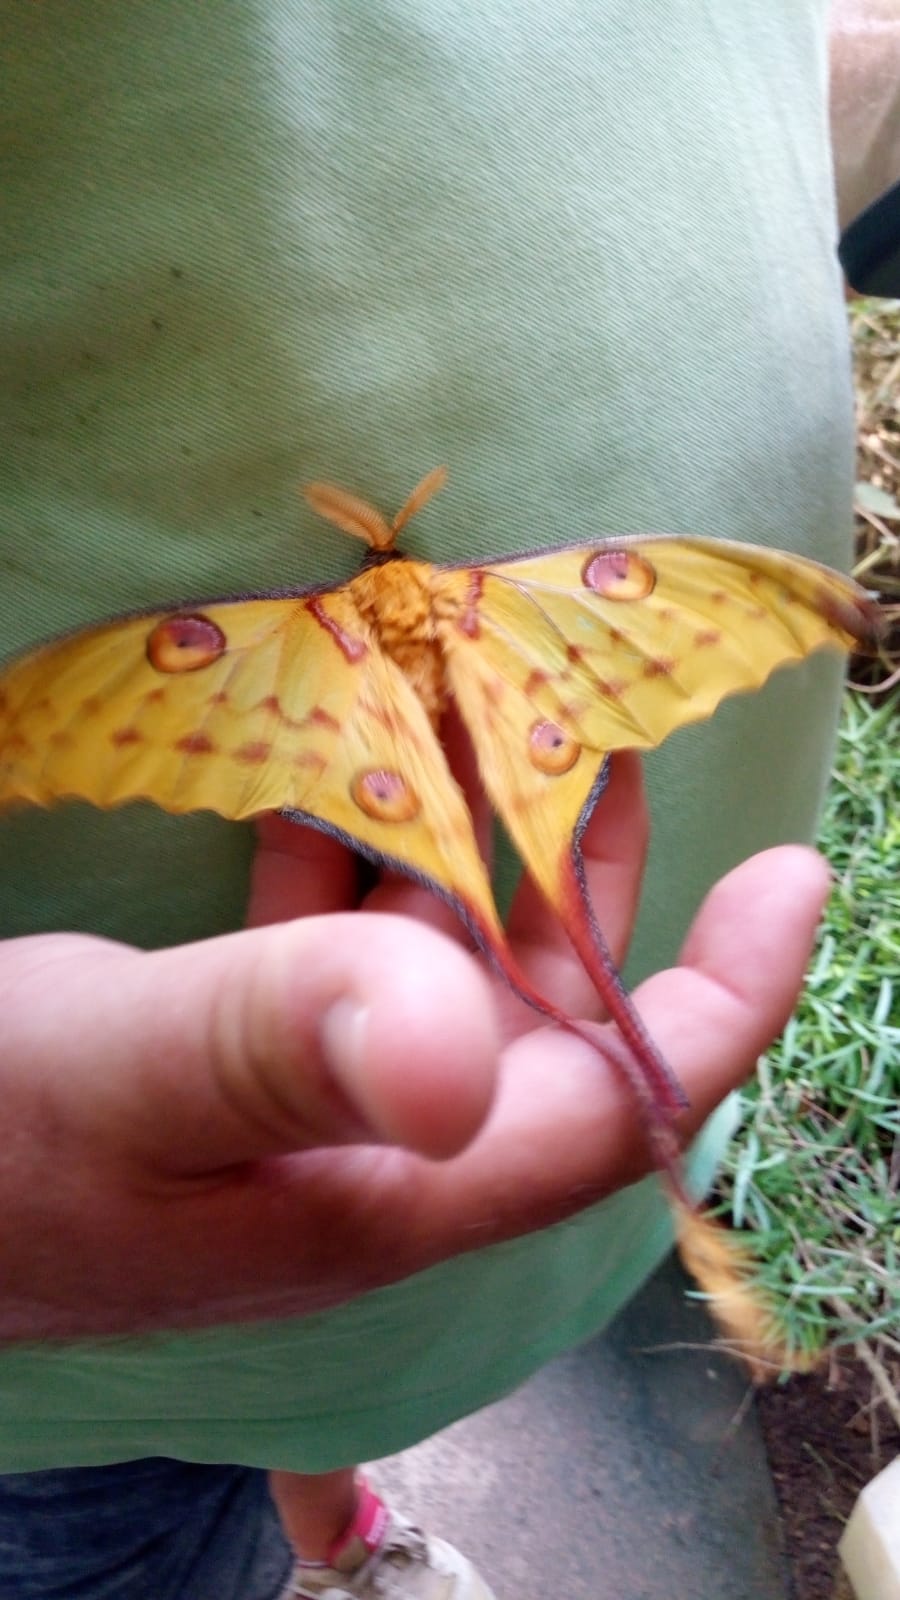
x=551 y=749
x=385 y=796
x=184 y=644
x=619 y=575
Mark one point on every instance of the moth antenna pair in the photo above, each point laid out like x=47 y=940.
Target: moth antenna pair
x=356 y=516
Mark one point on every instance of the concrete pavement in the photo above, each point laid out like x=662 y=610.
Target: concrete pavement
x=632 y=1468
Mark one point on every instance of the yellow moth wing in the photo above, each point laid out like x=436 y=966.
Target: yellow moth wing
x=560 y=658
x=660 y=643
x=297 y=709
x=91 y=716
x=507 y=692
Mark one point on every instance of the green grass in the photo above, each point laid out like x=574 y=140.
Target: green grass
x=814 y=1172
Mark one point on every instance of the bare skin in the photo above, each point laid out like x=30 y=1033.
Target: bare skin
x=314 y=1510
x=186 y=1128
x=189 y=1126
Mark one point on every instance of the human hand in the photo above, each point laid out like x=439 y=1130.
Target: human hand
x=268 y=1123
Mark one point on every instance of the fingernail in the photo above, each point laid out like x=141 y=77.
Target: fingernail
x=342 y=1033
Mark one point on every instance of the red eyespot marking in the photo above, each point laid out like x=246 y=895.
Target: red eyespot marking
x=619 y=575
x=195 y=744
x=185 y=644
x=124 y=736
x=706 y=637
x=536 y=680
x=551 y=749
x=15 y=744
x=323 y=719
x=661 y=667
x=574 y=652
x=91 y=705
x=253 y=753
x=155 y=697
x=612 y=688
x=354 y=649
x=220 y=698
x=467 y=621
x=718 y=596
x=384 y=795
x=309 y=759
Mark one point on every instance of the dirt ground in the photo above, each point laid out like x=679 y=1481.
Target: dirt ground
x=825 y=1442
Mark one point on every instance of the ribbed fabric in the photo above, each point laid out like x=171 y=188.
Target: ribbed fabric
x=583 y=253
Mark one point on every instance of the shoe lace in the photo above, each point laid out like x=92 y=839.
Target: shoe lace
x=383 y=1576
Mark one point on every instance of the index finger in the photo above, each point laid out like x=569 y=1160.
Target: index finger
x=299 y=871
x=613 y=852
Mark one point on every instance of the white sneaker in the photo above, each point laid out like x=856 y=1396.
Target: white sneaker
x=383 y=1557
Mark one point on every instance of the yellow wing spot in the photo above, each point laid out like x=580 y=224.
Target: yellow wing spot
x=619 y=575
x=612 y=688
x=385 y=795
x=185 y=644
x=254 y=753
x=320 y=718
x=536 y=680
x=467 y=620
x=659 y=667
x=551 y=749
x=195 y=744
x=309 y=760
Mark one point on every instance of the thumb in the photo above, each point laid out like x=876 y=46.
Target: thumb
x=333 y=1029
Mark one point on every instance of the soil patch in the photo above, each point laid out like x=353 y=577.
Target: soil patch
x=825 y=1439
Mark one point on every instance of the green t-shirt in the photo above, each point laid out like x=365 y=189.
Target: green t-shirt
x=582 y=252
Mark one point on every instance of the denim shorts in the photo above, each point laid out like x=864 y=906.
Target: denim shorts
x=142 y=1530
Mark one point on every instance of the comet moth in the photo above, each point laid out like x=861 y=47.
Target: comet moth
x=325 y=704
